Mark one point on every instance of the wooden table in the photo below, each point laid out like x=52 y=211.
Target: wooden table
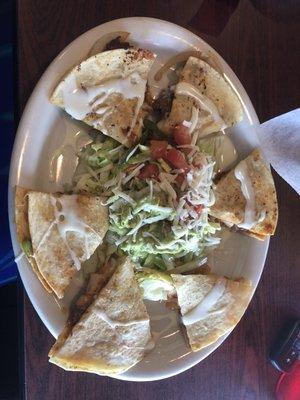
x=260 y=41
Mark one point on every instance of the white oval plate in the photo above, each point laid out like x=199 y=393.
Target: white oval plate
x=41 y=131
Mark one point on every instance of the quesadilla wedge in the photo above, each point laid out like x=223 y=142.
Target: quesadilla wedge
x=246 y=197
x=111 y=336
x=62 y=231
x=107 y=92
x=21 y=219
x=210 y=306
x=204 y=101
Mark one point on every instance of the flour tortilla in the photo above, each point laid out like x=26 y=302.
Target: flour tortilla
x=224 y=314
x=22 y=226
x=93 y=344
x=230 y=202
x=211 y=84
x=53 y=255
x=105 y=67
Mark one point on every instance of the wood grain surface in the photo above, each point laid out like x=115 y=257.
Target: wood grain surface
x=260 y=41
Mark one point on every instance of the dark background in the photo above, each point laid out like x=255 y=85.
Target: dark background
x=9 y=320
x=260 y=41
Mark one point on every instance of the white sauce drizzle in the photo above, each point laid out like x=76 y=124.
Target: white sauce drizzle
x=241 y=173
x=262 y=216
x=194 y=119
x=188 y=124
x=79 y=102
x=67 y=220
x=202 y=309
x=114 y=323
x=186 y=89
x=195 y=137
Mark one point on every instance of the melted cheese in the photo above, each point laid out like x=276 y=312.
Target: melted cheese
x=241 y=173
x=202 y=310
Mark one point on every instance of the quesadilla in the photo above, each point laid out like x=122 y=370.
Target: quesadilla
x=246 y=197
x=204 y=101
x=107 y=92
x=58 y=232
x=210 y=306
x=21 y=219
x=111 y=336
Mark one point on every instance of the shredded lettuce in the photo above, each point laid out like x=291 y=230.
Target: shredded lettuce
x=140 y=158
x=160 y=224
x=27 y=247
x=155 y=285
x=207 y=145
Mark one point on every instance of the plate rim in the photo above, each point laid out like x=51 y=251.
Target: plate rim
x=249 y=110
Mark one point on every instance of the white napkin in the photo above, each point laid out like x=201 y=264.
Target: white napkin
x=280 y=142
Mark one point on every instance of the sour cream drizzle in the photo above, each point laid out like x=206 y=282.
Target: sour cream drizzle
x=81 y=101
x=114 y=323
x=202 y=309
x=241 y=173
x=194 y=119
x=68 y=220
x=187 y=89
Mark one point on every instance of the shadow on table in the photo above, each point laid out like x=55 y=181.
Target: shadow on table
x=9 y=327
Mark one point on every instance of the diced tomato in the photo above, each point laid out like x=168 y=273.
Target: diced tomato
x=198 y=208
x=176 y=159
x=180 y=179
x=158 y=148
x=149 y=171
x=182 y=135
